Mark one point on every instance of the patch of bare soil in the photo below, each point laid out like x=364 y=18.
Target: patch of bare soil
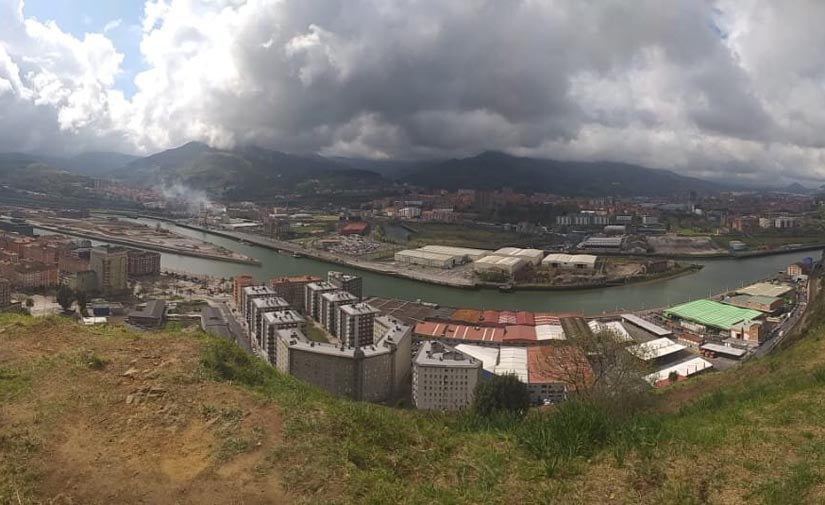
x=130 y=420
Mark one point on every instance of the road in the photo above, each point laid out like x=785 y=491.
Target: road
x=235 y=328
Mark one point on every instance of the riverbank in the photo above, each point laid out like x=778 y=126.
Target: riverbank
x=436 y=278
x=671 y=274
x=144 y=245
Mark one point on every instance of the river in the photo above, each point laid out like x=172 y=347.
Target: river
x=716 y=276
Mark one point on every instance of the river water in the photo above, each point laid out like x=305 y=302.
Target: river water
x=716 y=276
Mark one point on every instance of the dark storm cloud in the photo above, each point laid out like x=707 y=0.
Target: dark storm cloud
x=697 y=85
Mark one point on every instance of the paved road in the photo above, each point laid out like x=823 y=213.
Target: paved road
x=235 y=327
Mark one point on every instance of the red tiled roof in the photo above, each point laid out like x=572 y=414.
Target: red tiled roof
x=525 y=318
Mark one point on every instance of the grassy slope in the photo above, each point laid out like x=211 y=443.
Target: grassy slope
x=756 y=435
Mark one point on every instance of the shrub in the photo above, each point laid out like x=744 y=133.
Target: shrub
x=502 y=393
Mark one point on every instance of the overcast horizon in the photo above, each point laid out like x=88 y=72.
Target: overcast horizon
x=713 y=89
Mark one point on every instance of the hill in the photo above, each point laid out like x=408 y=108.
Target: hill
x=103 y=415
x=95 y=164
x=245 y=172
x=494 y=170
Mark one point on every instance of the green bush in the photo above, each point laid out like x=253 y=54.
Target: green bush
x=502 y=393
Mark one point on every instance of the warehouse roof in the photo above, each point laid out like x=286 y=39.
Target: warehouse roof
x=615 y=328
x=655 y=349
x=712 y=313
x=492 y=259
x=459 y=332
x=685 y=369
x=550 y=332
x=418 y=253
x=766 y=289
x=487 y=355
x=576 y=259
x=724 y=349
x=747 y=300
x=513 y=360
x=646 y=325
x=454 y=251
x=602 y=242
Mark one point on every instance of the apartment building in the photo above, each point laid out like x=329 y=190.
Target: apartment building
x=111 y=266
x=292 y=289
x=443 y=378
x=331 y=302
x=352 y=284
x=312 y=298
x=356 y=324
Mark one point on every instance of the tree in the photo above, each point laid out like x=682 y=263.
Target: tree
x=82 y=300
x=502 y=393
x=65 y=297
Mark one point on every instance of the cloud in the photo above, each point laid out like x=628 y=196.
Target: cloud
x=725 y=88
x=112 y=25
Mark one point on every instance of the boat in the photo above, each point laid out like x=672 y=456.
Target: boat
x=297 y=255
x=506 y=288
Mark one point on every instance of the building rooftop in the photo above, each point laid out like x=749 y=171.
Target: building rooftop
x=359 y=309
x=437 y=354
x=259 y=290
x=153 y=308
x=297 y=340
x=766 y=289
x=724 y=349
x=576 y=259
x=339 y=296
x=513 y=360
x=322 y=286
x=283 y=316
x=269 y=301
x=454 y=251
x=685 y=369
x=746 y=300
x=655 y=349
x=646 y=325
x=296 y=278
x=712 y=313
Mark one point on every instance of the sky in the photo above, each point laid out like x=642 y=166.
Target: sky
x=728 y=89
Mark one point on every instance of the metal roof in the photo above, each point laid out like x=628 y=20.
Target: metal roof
x=724 y=349
x=646 y=325
x=766 y=289
x=513 y=360
x=685 y=369
x=655 y=349
x=712 y=313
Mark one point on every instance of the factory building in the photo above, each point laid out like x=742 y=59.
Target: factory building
x=602 y=244
x=443 y=378
x=356 y=324
x=767 y=304
x=504 y=264
x=461 y=254
x=532 y=256
x=352 y=284
x=570 y=261
x=292 y=289
x=373 y=373
x=749 y=331
x=312 y=298
x=424 y=259
x=330 y=302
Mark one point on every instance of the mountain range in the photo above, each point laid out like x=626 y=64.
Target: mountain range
x=250 y=172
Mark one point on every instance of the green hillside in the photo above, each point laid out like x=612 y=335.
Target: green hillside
x=104 y=415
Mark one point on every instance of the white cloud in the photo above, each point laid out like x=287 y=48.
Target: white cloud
x=112 y=25
x=707 y=87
